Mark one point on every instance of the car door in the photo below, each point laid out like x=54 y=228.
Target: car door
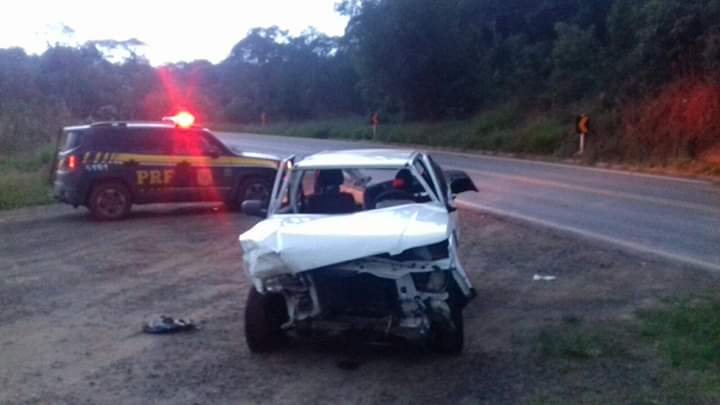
x=195 y=178
x=444 y=188
x=145 y=162
x=217 y=174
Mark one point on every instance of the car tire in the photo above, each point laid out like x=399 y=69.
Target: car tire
x=252 y=188
x=264 y=316
x=109 y=201
x=449 y=339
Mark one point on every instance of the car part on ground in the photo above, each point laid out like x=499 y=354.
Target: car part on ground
x=162 y=324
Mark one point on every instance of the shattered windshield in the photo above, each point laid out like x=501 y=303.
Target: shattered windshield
x=344 y=191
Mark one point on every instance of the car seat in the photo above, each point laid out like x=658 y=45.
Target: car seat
x=327 y=198
x=400 y=193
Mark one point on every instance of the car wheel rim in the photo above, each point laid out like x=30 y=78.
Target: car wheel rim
x=111 y=202
x=257 y=191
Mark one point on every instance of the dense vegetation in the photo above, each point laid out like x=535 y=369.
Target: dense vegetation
x=501 y=74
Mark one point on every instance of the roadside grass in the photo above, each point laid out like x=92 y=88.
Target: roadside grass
x=688 y=337
x=24 y=178
x=502 y=129
x=574 y=343
x=667 y=355
x=506 y=130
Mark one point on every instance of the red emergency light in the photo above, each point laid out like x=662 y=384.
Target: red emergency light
x=183 y=119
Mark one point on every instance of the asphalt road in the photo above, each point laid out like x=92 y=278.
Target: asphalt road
x=670 y=217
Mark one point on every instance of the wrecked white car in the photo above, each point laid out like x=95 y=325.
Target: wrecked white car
x=359 y=241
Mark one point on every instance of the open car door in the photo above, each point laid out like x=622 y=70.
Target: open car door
x=459 y=181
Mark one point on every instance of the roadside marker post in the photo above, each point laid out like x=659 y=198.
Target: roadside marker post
x=375 y=123
x=582 y=126
x=263 y=118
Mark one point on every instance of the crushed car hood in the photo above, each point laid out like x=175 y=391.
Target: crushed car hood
x=294 y=243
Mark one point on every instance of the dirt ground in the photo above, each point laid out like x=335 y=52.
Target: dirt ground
x=74 y=293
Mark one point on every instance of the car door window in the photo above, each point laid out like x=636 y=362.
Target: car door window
x=70 y=140
x=190 y=143
x=145 y=141
x=210 y=144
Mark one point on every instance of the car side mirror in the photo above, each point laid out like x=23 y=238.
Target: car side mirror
x=255 y=208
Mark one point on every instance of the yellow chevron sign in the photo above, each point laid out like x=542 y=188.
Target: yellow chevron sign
x=583 y=124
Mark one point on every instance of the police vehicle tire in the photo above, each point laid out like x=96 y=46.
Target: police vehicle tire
x=252 y=188
x=447 y=339
x=109 y=200
x=264 y=316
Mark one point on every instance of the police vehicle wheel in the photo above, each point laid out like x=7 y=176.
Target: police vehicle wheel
x=109 y=201
x=447 y=339
x=264 y=316
x=253 y=188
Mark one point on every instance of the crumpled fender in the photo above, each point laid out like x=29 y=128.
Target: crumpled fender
x=292 y=243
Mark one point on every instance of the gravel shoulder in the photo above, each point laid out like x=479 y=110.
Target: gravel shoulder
x=73 y=295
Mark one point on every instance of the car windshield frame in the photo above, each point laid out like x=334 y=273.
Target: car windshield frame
x=288 y=178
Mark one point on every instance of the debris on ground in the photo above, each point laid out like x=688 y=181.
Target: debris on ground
x=160 y=324
x=539 y=277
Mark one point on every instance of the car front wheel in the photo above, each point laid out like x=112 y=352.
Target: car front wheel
x=447 y=338
x=264 y=316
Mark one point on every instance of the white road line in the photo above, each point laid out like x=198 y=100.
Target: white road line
x=595 y=236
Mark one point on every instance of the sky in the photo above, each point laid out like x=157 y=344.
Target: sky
x=173 y=31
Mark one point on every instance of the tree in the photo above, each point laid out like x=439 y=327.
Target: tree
x=576 y=63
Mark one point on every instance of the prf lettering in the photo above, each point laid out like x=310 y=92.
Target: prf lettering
x=154 y=177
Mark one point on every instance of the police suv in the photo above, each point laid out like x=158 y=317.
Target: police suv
x=108 y=166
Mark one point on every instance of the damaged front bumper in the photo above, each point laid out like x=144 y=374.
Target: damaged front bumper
x=373 y=297
x=396 y=275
